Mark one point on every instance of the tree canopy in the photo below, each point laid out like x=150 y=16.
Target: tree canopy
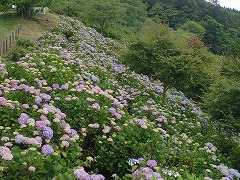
x=163 y=56
x=24 y=7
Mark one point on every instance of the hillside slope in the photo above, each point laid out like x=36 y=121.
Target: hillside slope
x=69 y=110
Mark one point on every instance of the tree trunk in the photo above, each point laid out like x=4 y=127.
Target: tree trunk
x=164 y=94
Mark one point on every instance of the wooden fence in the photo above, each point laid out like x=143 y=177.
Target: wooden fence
x=7 y=43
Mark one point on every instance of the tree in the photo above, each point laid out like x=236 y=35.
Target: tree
x=163 y=56
x=24 y=7
x=193 y=27
x=215 y=2
x=234 y=49
x=135 y=13
x=215 y=36
x=103 y=12
x=223 y=102
x=163 y=12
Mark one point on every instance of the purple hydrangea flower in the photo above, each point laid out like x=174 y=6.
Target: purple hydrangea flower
x=6 y=153
x=73 y=132
x=47 y=150
x=38 y=100
x=23 y=119
x=55 y=86
x=112 y=111
x=19 y=139
x=65 y=143
x=140 y=160
x=64 y=87
x=43 y=117
x=136 y=174
x=3 y=101
x=81 y=174
x=95 y=79
x=97 y=177
x=40 y=125
x=48 y=132
x=96 y=106
x=46 y=97
x=152 y=163
x=147 y=170
x=95 y=125
x=25 y=106
x=106 y=129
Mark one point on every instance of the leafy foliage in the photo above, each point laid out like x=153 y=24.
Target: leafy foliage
x=161 y=55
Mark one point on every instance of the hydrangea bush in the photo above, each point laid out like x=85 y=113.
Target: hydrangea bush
x=70 y=110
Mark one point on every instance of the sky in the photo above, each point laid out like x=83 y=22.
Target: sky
x=230 y=3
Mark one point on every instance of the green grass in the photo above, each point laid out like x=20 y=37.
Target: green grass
x=8 y=23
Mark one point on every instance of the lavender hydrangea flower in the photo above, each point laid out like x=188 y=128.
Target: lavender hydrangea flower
x=95 y=125
x=23 y=119
x=55 y=86
x=152 y=163
x=25 y=106
x=48 y=132
x=47 y=150
x=19 y=139
x=64 y=87
x=81 y=174
x=96 y=106
x=106 y=129
x=6 y=153
x=140 y=160
x=95 y=79
x=73 y=132
x=65 y=143
x=97 y=177
x=113 y=111
x=40 y=125
x=3 y=101
x=38 y=100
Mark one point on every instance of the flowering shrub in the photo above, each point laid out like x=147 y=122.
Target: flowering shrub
x=69 y=110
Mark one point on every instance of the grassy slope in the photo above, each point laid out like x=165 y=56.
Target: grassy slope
x=8 y=23
x=31 y=28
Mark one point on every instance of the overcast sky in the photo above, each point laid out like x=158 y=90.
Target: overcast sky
x=230 y=3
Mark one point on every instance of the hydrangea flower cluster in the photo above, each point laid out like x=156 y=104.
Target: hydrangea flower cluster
x=170 y=173
x=81 y=174
x=152 y=163
x=5 y=153
x=47 y=149
x=146 y=173
x=228 y=173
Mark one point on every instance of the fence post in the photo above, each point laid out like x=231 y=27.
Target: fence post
x=13 y=37
x=6 y=43
x=10 y=41
x=4 y=46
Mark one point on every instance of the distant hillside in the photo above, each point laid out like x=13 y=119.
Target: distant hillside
x=124 y=17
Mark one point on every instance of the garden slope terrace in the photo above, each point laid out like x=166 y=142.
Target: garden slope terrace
x=69 y=110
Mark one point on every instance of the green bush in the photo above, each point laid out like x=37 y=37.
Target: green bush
x=22 y=47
